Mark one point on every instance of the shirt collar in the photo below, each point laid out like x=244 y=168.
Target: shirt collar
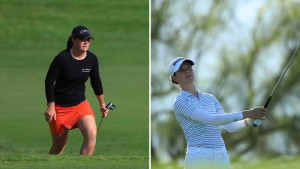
x=188 y=94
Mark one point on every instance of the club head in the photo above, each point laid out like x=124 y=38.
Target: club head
x=110 y=105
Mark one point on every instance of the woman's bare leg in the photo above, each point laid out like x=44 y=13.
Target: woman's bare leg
x=59 y=142
x=88 y=128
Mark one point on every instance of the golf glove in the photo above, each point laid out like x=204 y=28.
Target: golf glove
x=250 y=122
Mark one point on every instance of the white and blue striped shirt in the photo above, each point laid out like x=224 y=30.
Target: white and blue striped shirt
x=199 y=134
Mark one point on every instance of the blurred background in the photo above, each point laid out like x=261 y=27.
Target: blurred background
x=240 y=49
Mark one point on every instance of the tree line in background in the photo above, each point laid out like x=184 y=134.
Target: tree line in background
x=248 y=60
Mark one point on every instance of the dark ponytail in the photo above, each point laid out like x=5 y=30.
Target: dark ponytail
x=69 y=43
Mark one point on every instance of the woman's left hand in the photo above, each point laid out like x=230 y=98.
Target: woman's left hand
x=104 y=111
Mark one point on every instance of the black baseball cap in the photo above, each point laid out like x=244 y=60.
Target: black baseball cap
x=81 y=32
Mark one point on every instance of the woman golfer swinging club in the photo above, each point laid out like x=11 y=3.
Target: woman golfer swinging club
x=200 y=115
x=65 y=87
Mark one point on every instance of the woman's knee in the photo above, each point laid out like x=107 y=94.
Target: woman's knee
x=91 y=135
x=88 y=127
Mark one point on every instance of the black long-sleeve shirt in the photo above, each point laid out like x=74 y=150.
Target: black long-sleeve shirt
x=66 y=77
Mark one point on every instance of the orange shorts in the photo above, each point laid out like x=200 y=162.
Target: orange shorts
x=69 y=116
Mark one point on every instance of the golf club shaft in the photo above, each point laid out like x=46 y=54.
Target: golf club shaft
x=268 y=101
x=101 y=122
x=99 y=125
x=257 y=122
x=286 y=68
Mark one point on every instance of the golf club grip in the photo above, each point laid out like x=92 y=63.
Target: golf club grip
x=268 y=101
x=258 y=122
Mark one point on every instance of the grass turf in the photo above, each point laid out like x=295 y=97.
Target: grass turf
x=292 y=162
x=33 y=33
x=32 y=161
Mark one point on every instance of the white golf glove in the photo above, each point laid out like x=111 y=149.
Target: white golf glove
x=250 y=122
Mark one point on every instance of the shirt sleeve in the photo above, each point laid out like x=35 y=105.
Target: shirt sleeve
x=53 y=72
x=235 y=126
x=215 y=119
x=182 y=107
x=96 y=82
x=231 y=127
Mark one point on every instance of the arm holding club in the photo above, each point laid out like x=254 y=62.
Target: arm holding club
x=222 y=119
x=256 y=123
x=108 y=106
x=255 y=113
x=103 y=108
x=251 y=120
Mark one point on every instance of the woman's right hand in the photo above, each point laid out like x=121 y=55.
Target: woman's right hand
x=50 y=112
x=255 y=113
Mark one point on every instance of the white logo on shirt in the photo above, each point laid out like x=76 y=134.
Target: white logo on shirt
x=86 y=70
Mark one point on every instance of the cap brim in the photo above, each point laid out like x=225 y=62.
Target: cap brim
x=91 y=37
x=189 y=61
x=180 y=63
x=88 y=37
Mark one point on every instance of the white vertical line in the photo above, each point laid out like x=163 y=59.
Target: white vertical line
x=149 y=84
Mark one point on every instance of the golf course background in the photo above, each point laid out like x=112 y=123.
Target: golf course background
x=33 y=32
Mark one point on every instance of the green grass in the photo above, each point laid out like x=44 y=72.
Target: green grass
x=33 y=161
x=33 y=32
x=262 y=163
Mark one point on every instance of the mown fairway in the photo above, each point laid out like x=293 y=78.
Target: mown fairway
x=35 y=161
x=32 y=34
x=290 y=162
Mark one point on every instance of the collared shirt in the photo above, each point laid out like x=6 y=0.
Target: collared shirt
x=198 y=134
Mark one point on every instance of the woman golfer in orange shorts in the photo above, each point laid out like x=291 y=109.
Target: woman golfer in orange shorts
x=65 y=87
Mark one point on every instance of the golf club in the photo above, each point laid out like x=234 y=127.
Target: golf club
x=108 y=106
x=258 y=122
